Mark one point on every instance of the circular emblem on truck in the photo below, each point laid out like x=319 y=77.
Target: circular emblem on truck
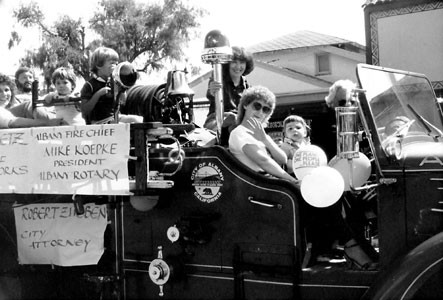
x=207 y=180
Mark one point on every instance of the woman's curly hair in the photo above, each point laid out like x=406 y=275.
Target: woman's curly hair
x=240 y=53
x=255 y=93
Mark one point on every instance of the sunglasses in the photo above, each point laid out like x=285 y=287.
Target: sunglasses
x=257 y=106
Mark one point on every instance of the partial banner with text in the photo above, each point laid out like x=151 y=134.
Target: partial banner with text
x=77 y=160
x=54 y=234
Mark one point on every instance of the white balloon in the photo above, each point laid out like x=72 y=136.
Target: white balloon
x=306 y=159
x=361 y=169
x=322 y=187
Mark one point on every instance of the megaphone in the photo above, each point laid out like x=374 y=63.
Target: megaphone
x=123 y=77
x=125 y=74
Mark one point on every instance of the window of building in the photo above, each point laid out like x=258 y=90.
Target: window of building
x=322 y=64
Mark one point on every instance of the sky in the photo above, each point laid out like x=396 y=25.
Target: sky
x=244 y=22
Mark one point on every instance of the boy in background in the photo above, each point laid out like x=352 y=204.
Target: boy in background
x=97 y=101
x=98 y=105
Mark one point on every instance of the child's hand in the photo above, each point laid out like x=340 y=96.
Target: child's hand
x=48 y=98
x=104 y=91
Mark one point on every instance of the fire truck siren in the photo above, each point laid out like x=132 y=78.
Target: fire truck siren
x=217 y=49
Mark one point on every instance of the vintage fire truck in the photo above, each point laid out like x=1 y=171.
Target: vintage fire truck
x=200 y=225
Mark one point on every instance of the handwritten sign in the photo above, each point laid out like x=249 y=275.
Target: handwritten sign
x=89 y=160
x=54 y=234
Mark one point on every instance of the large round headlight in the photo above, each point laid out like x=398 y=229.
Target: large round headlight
x=393 y=147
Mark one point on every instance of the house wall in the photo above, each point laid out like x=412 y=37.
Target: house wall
x=342 y=62
x=283 y=81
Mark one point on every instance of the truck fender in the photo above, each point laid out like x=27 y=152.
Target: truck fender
x=404 y=278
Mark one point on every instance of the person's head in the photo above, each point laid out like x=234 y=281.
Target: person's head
x=24 y=77
x=64 y=81
x=340 y=93
x=242 y=62
x=395 y=124
x=7 y=90
x=103 y=61
x=256 y=102
x=295 y=128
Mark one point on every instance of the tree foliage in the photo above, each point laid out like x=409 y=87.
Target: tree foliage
x=147 y=34
x=62 y=43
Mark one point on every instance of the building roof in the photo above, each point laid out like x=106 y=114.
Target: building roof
x=300 y=39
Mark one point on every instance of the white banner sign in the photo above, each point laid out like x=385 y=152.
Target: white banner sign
x=54 y=234
x=88 y=160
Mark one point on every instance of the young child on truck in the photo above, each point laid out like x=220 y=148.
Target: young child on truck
x=295 y=134
x=64 y=81
x=97 y=100
x=333 y=227
x=98 y=105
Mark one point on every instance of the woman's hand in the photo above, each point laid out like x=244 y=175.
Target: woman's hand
x=258 y=131
x=214 y=87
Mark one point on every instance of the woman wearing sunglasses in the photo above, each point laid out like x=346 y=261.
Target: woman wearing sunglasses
x=249 y=142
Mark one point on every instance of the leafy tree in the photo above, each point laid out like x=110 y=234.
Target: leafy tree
x=146 y=33
x=62 y=44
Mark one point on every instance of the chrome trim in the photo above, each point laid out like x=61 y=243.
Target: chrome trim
x=269 y=282
x=412 y=170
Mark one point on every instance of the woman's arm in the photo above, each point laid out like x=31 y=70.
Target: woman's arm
x=276 y=152
x=259 y=134
x=269 y=165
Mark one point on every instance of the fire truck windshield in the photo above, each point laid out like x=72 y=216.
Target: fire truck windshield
x=401 y=103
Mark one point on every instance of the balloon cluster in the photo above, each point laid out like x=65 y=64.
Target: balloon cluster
x=323 y=184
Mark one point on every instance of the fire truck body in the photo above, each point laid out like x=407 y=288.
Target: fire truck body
x=247 y=214
x=203 y=226
x=236 y=239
